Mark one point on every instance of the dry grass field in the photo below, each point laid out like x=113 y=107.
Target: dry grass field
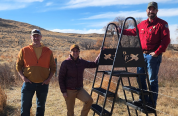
x=55 y=105
x=3 y=100
x=14 y=35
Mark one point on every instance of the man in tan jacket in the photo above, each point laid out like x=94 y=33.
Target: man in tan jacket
x=36 y=66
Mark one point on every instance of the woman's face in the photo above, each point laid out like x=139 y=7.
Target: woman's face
x=75 y=53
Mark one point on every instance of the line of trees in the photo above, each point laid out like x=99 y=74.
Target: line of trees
x=177 y=32
x=119 y=21
x=113 y=40
x=126 y=41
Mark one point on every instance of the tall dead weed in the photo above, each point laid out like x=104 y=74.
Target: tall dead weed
x=3 y=100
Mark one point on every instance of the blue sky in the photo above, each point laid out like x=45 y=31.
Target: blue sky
x=84 y=16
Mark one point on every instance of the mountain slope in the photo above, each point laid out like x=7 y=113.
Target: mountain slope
x=14 y=35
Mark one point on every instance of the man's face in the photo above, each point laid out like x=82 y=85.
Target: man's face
x=75 y=53
x=151 y=12
x=36 y=39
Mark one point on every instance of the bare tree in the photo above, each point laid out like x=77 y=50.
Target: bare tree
x=177 y=32
x=119 y=21
x=87 y=45
x=173 y=46
x=126 y=41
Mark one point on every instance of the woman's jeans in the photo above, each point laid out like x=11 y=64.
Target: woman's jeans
x=152 y=64
x=27 y=92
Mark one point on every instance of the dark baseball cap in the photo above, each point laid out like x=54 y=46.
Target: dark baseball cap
x=154 y=4
x=74 y=46
x=35 y=31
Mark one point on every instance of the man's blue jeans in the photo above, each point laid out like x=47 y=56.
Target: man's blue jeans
x=27 y=93
x=152 y=64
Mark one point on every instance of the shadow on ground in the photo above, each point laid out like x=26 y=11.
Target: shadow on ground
x=10 y=111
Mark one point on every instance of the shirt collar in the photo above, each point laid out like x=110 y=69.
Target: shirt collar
x=77 y=60
x=42 y=45
x=153 y=21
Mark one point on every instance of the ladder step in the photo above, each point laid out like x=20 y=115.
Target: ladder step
x=124 y=73
x=101 y=71
x=141 y=108
x=98 y=109
x=102 y=92
x=134 y=90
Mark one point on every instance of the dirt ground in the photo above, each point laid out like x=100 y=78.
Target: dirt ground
x=55 y=104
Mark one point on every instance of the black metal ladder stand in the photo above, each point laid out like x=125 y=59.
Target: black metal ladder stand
x=122 y=57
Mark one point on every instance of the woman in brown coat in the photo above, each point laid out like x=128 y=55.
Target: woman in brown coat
x=71 y=81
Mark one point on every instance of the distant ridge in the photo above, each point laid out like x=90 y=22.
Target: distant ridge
x=14 y=34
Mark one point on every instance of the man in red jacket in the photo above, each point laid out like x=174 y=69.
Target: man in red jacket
x=154 y=37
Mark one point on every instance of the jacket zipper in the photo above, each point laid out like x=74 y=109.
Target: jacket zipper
x=77 y=73
x=40 y=56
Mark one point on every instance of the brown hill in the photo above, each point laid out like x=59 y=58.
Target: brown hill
x=15 y=35
x=173 y=47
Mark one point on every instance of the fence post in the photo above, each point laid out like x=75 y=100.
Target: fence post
x=56 y=66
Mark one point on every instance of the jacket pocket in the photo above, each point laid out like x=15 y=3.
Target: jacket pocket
x=70 y=81
x=152 y=31
x=142 y=31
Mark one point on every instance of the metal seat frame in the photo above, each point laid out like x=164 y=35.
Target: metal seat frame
x=121 y=57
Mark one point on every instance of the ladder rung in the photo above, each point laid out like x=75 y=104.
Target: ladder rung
x=124 y=73
x=102 y=92
x=98 y=109
x=134 y=90
x=140 y=108
x=116 y=71
x=101 y=71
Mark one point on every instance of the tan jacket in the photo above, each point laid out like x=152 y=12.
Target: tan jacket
x=34 y=69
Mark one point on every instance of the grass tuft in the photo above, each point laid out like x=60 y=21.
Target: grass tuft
x=3 y=100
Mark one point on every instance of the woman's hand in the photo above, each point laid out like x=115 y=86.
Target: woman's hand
x=65 y=95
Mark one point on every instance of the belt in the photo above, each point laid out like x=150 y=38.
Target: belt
x=148 y=52
x=74 y=88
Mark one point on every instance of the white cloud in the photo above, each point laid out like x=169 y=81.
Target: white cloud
x=173 y=33
x=28 y=1
x=112 y=15
x=11 y=6
x=49 y=4
x=172 y=28
x=15 y=4
x=168 y=12
x=84 y=31
x=89 y=3
x=99 y=24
